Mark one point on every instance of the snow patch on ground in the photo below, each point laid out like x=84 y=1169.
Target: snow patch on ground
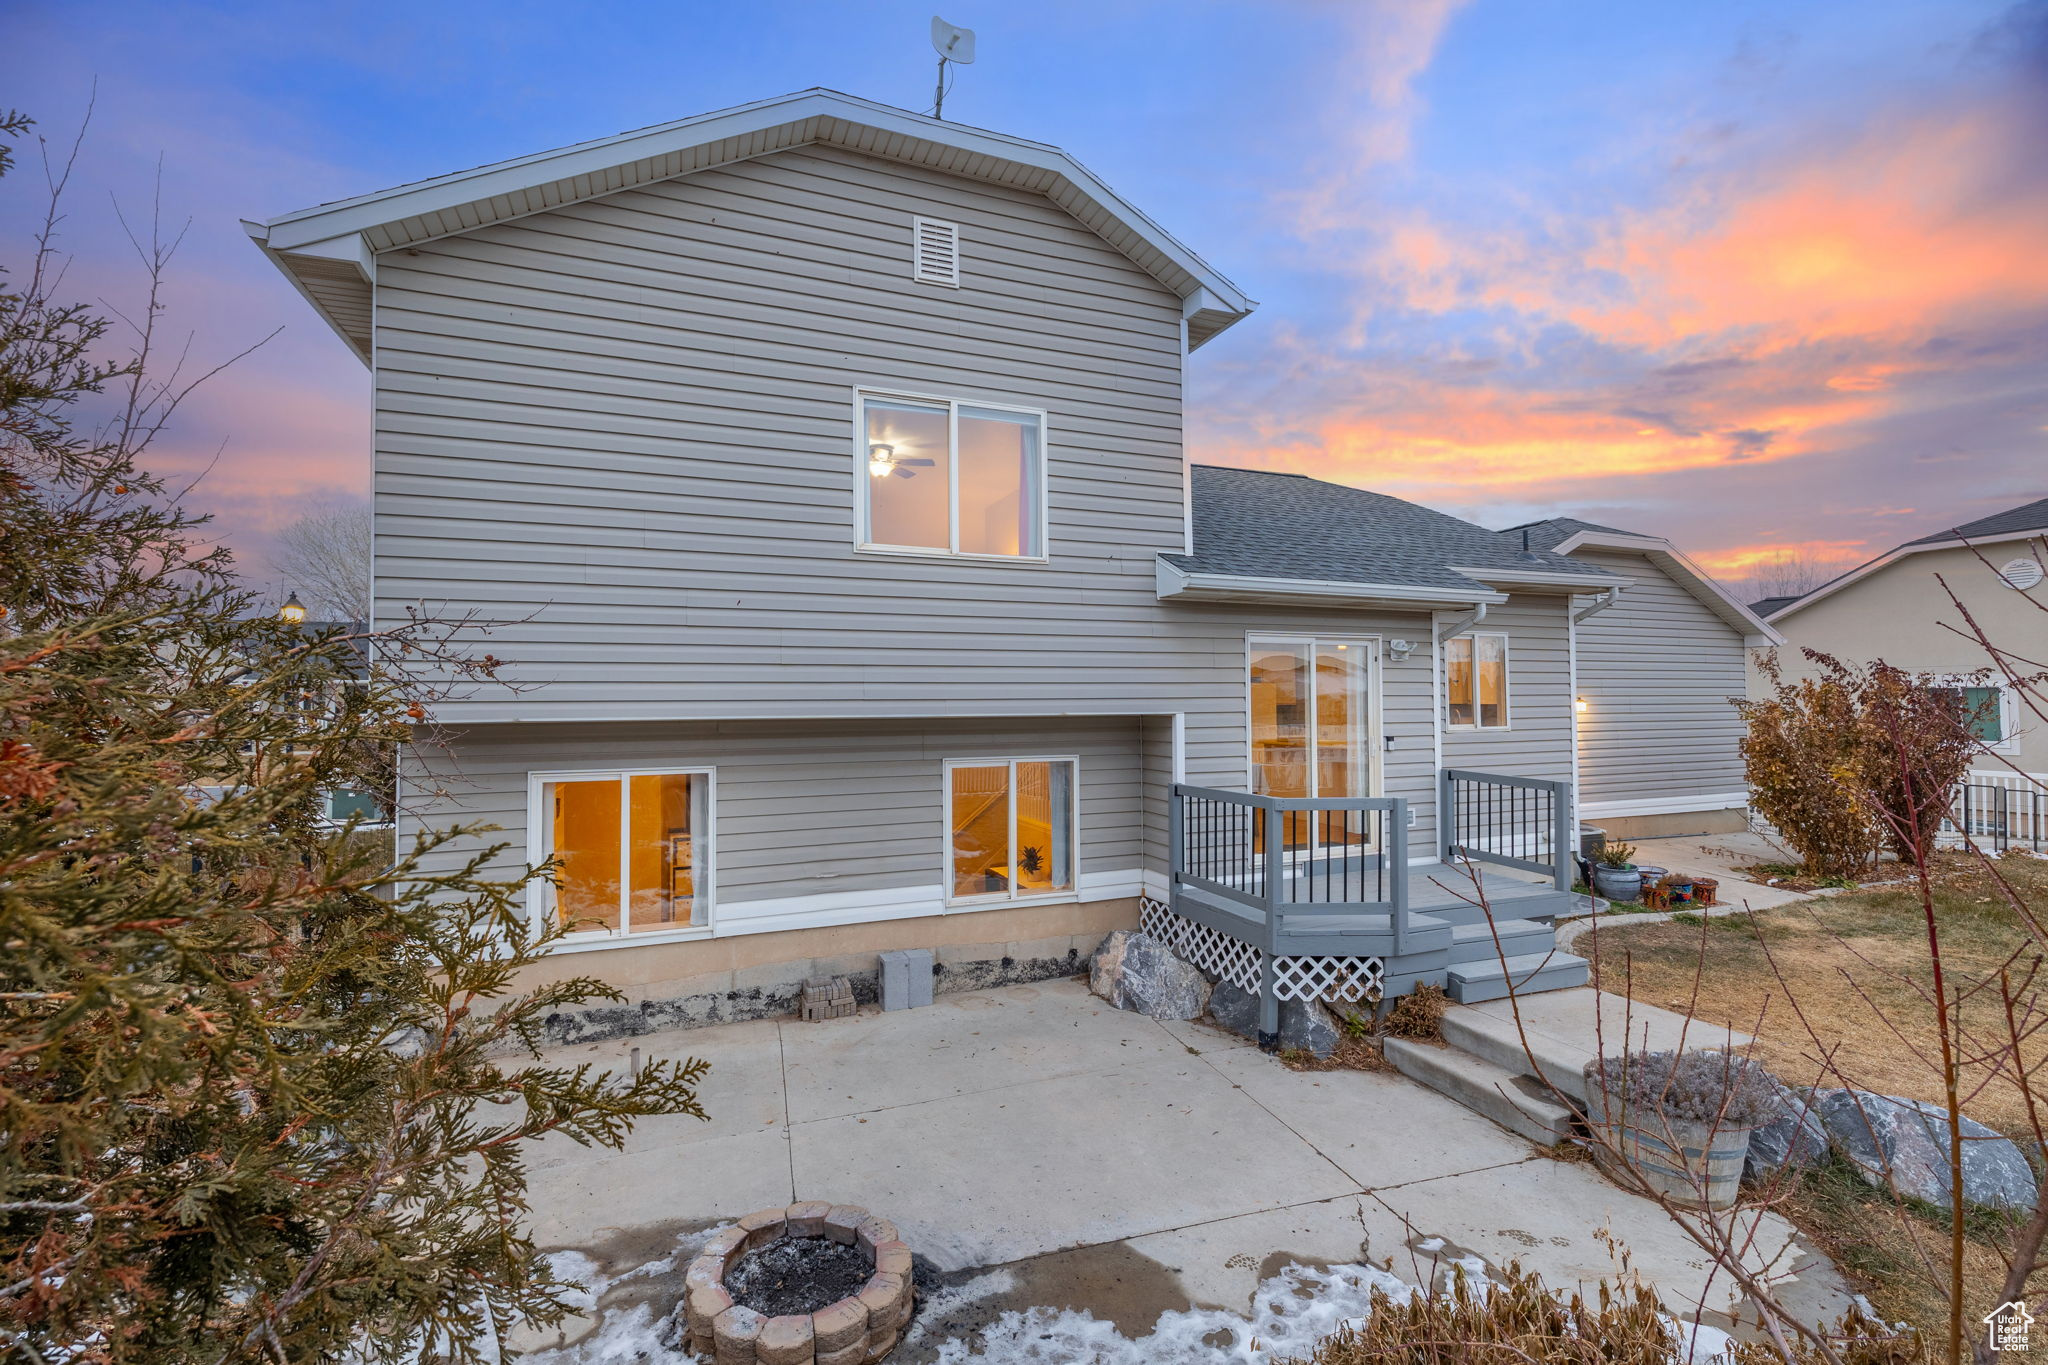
x=1290 y=1313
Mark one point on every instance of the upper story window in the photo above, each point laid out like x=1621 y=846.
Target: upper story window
x=944 y=477
x=1476 y=682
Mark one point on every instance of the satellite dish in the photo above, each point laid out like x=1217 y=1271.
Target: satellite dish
x=951 y=42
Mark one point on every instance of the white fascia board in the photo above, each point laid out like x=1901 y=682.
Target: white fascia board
x=1175 y=582
x=1685 y=573
x=1893 y=556
x=1543 y=578
x=259 y=234
x=1664 y=805
x=288 y=232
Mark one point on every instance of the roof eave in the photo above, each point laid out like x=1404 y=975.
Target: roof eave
x=1755 y=631
x=507 y=190
x=1176 y=584
x=1543 y=578
x=1893 y=556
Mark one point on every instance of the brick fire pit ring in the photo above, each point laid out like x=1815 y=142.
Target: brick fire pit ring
x=855 y=1330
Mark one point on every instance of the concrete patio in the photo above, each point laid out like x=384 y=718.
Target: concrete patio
x=1112 y=1163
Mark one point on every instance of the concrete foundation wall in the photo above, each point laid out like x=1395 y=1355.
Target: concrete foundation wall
x=1626 y=827
x=756 y=976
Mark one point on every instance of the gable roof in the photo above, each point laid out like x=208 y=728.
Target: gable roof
x=2030 y=516
x=1251 y=524
x=329 y=251
x=2025 y=522
x=1549 y=534
x=1766 y=605
x=1564 y=535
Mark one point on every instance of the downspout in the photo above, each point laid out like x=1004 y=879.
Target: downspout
x=1463 y=623
x=1606 y=600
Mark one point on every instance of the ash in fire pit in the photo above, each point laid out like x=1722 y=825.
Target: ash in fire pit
x=810 y=1284
x=797 y=1276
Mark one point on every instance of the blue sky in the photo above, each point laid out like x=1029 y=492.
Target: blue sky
x=1750 y=275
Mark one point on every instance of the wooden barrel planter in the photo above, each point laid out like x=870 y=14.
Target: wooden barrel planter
x=1693 y=1162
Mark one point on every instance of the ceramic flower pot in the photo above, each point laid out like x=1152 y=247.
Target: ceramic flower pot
x=1617 y=883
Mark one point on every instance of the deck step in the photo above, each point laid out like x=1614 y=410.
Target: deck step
x=1517 y=938
x=1467 y=982
x=1512 y=1101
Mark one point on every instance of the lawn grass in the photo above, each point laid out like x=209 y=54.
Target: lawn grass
x=1857 y=965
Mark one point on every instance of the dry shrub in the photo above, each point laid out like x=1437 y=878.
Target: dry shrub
x=1418 y=1014
x=1701 y=1085
x=1854 y=760
x=1515 y=1320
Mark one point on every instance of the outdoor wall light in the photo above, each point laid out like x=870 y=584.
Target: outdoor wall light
x=1581 y=705
x=293 y=611
x=1400 y=649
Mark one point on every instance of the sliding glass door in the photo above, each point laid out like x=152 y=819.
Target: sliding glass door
x=1313 y=699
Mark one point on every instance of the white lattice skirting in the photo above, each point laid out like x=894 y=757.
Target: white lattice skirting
x=1235 y=961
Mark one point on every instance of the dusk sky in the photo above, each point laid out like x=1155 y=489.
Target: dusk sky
x=1751 y=276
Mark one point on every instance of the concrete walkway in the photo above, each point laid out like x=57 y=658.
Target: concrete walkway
x=1112 y=1163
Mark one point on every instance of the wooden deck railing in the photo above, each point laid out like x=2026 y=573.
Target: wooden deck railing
x=1521 y=822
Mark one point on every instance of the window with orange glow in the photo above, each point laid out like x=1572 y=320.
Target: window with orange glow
x=1311 y=726
x=938 y=476
x=1476 y=682
x=1011 y=828
x=630 y=851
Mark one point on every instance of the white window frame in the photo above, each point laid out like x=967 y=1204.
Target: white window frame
x=539 y=830
x=1507 y=682
x=863 y=540
x=992 y=900
x=1375 y=736
x=2007 y=742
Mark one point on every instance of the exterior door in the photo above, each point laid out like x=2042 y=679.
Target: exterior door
x=1314 y=710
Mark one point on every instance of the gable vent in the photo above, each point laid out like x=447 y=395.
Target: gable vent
x=935 y=252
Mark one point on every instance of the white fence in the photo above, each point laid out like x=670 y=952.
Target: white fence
x=2001 y=809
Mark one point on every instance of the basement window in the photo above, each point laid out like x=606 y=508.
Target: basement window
x=1011 y=829
x=631 y=851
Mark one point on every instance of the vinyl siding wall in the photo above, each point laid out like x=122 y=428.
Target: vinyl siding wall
x=626 y=428
x=805 y=810
x=1659 y=671
x=1538 y=740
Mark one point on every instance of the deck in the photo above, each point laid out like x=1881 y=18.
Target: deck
x=1301 y=898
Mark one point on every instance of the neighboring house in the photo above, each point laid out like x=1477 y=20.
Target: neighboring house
x=1898 y=608
x=1658 y=668
x=823 y=464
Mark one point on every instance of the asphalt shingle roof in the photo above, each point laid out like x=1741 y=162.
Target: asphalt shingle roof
x=2032 y=516
x=1548 y=535
x=1766 y=605
x=1264 y=525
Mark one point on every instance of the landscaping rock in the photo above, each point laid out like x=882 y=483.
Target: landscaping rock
x=1796 y=1138
x=1304 y=1026
x=1135 y=971
x=1907 y=1141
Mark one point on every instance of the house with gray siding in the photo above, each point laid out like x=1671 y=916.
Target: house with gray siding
x=821 y=464
x=1657 y=667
